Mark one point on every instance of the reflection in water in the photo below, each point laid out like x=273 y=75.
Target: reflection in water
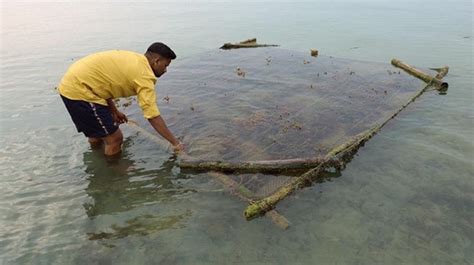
x=142 y=225
x=121 y=186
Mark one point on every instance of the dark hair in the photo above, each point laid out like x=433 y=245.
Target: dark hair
x=162 y=49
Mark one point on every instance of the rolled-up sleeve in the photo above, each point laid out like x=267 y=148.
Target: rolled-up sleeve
x=146 y=96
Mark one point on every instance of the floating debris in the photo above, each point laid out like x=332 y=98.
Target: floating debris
x=292 y=125
x=240 y=72
x=269 y=60
x=250 y=43
x=124 y=102
x=251 y=121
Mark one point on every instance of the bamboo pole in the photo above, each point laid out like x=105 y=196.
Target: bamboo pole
x=430 y=80
x=264 y=166
x=346 y=150
x=233 y=187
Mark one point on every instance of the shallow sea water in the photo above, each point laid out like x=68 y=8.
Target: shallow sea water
x=406 y=198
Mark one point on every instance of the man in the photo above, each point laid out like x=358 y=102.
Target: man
x=90 y=85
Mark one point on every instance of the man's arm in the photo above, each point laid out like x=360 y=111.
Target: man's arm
x=160 y=126
x=146 y=96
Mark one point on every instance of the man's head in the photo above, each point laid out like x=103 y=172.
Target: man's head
x=159 y=57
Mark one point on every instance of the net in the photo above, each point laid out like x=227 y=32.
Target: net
x=271 y=104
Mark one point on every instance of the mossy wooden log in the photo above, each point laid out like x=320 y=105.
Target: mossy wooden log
x=250 y=43
x=436 y=81
x=345 y=150
x=265 y=166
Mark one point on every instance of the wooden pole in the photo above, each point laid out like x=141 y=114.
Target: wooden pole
x=430 y=80
x=265 y=166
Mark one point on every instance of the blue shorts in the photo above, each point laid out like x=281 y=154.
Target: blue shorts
x=94 y=120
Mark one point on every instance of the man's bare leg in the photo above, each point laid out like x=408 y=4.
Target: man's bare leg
x=95 y=143
x=113 y=144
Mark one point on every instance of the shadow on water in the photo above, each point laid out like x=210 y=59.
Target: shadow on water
x=121 y=188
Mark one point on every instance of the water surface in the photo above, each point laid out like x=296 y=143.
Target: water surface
x=406 y=198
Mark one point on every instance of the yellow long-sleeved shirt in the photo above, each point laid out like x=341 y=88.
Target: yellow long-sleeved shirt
x=112 y=74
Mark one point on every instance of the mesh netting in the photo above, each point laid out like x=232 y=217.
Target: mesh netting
x=270 y=104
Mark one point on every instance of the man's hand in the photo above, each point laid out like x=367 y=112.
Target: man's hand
x=119 y=117
x=160 y=126
x=178 y=148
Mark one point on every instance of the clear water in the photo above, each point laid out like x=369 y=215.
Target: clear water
x=407 y=197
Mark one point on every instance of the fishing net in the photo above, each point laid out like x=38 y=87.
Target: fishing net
x=271 y=104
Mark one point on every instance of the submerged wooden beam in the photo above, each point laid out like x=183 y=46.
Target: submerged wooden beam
x=430 y=80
